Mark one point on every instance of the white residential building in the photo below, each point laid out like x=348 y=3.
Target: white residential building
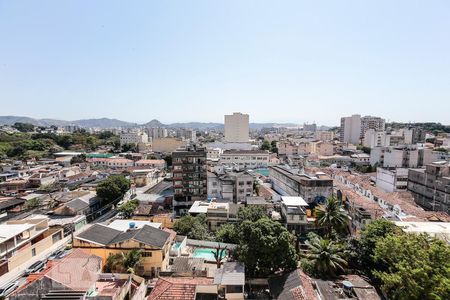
x=374 y=138
x=392 y=180
x=134 y=138
x=213 y=154
x=350 y=131
x=231 y=186
x=243 y=159
x=353 y=128
x=237 y=128
x=401 y=157
x=157 y=132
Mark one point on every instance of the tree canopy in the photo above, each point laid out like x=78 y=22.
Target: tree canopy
x=113 y=187
x=413 y=267
x=127 y=209
x=266 y=247
x=193 y=227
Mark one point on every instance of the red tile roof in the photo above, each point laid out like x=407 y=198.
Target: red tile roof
x=177 y=288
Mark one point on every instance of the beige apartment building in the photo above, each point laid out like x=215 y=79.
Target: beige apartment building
x=237 y=128
x=167 y=145
x=22 y=240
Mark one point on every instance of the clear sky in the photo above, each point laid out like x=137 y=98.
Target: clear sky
x=281 y=61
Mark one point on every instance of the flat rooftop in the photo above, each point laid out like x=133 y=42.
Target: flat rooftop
x=293 y=201
x=8 y=231
x=123 y=225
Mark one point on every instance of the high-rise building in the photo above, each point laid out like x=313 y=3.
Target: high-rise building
x=187 y=134
x=350 y=131
x=237 y=128
x=157 y=132
x=369 y=122
x=354 y=128
x=189 y=177
x=310 y=127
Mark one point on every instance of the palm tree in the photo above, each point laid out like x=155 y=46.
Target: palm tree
x=331 y=215
x=113 y=263
x=121 y=262
x=132 y=260
x=325 y=257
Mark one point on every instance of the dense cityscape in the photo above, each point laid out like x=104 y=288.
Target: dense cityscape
x=224 y=150
x=105 y=209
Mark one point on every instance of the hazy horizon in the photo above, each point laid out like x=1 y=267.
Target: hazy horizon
x=176 y=61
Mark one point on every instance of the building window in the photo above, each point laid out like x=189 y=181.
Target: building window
x=146 y=254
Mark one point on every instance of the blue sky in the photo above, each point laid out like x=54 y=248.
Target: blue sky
x=281 y=61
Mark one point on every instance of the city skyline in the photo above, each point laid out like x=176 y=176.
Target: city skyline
x=293 y=61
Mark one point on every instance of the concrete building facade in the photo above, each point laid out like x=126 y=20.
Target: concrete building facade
x=431 y=186
x=189 y=178
x=237 y=128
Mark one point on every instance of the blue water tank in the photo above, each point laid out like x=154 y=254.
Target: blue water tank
x=132 y=225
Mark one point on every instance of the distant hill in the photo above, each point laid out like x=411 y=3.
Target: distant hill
x=270 y=125
x=10 y=120
x=103 y=123
x=196 y=125
x=154 y=123
x=111 y=123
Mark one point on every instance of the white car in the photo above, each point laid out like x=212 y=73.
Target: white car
x=8 y=289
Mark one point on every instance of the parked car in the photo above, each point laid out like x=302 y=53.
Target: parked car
x=64 y=253
x=8 y=289
x=56 y=254
x=37 y=266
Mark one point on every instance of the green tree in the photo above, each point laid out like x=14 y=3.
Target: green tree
x=414 y=267
x=193 y=227
x=127 y=209
x=323 y=258
x=23 y=127
x=251 y=213
x=129 y=148
x=132 y=260
x=266 y=247
x=331 y=215
x=227 y=233
x=113 y=187
x=374 y=232
x=78 y=159
x=265 y=145
x=123 y=262
x=33 y=203
x=273 y=147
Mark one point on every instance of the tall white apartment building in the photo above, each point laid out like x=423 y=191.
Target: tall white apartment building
x=237 y=128
x=374 y=138
x=157 y=132
x=350 y=129
x=353 y=128
x=369 y=122
x=187 y=134
x=134 y=138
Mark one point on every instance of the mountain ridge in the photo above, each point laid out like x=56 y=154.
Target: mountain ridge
x=111 y=123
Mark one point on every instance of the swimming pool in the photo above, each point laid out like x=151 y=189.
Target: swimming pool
x=264 y=172
x=207 y=253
